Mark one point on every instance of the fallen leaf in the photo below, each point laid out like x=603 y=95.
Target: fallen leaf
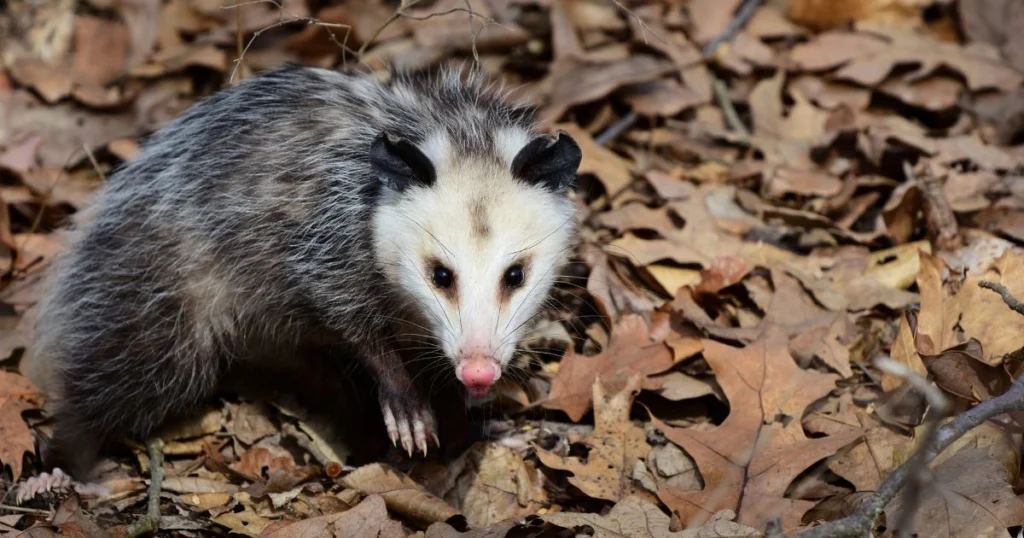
x=971 y=495
x=585 y=83
x=101 y=50
x=631 y=351
x=51 y=81
x=401 y=494
x=710 y=18
x=868 y=58
x=638 y=518
x=616 y=445
x=368 y=518
x=17 y=394
x=65 y=129
x=250 y=423
x=761 y=447
x=497 y=485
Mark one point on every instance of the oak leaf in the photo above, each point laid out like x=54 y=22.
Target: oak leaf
x=17 y=394
x=761 y=446
x=368 y=518
x=869 y=57
x=401 y=493
x=616 y=446
x=637 y=518
x=495 y=485
x=630 y=351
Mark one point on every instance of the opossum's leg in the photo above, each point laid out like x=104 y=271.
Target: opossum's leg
x=150 y=522
x=407 y=414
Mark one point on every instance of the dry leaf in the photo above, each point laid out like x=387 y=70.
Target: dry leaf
x=497 y=485
x=971 y=496
x=368 y=518
x=631 y=351
x=402 y=494
x=17 y=394
x=869 y=58
x=638 y=518
x=761 y=447
x=616 y=445
x=585 y=83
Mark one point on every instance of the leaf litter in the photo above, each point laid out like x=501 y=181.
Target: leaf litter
x=829 y=185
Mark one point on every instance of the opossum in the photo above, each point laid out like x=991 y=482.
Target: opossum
x=307 y=206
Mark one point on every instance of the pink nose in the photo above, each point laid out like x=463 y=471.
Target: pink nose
x=478 y=374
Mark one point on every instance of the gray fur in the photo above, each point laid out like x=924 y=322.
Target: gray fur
x=242 y=229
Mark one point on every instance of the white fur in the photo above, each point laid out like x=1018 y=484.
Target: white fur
x=523 y=221
x=508 y=142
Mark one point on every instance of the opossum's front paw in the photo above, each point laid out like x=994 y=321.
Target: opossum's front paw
x=408 y=418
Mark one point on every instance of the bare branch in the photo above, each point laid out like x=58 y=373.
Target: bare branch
x=744 y=14
x=861 y=523
x=1010 y=300
x=287 y=17
x=919 y=472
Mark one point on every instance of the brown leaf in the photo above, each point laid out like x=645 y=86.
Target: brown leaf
x=101 y=50
x=497 y=485
x=368 y=518
x=65 y=129
x=616 y=446
x=401 y=494
x=638 y=518
x=662 y=97
x=250 y=423
x=971 y=496
x=960 y=370
x=585 y=83
x=761 y=447
x=22 y=156
x=827 y=14
x=51 y=81
x=631 y=351
x=868 y=58
x=17 y=394
x=709 y=18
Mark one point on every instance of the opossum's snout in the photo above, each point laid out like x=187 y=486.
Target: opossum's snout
x=477 y=371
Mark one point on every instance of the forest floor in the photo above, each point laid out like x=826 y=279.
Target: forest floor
x=786 y=209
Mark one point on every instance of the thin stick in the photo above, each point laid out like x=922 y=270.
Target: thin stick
x=616 y=129
x=23 y=510
x=1010 y=300
x=744 y=14
x=860 y=523
x=732 y=118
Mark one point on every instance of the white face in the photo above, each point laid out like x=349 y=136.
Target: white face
x=478 y=252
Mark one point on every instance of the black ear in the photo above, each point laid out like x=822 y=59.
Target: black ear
x=400 y=164
x=549 y=161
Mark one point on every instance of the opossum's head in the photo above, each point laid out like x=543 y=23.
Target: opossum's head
x=476 y=240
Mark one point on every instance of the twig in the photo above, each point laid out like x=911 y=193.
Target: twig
x=744 y=14
x=239 y=42
x=401 y=13
x=644 y=28
x=616 y=129
x=861 y=523
x=327 y=26
x=732 y=118
x=23 y=510
x=918 y=464
x=1010 y=300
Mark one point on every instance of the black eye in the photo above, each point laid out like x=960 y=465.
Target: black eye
x=514 y=276
x=442 y=277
